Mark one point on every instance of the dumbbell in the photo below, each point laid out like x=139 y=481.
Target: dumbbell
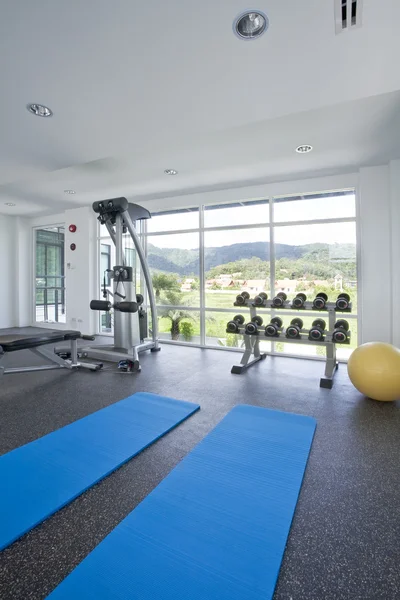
x=340 y=333
x=317 y=331
x=233 y=326
x=260 y=299
x=343 y=301
x=139 y=299
x=272 y=329
x=252 y=327
x=320 y=301
x=293 y=331
x=279 y=300
x=242 y=298
x=298 y=301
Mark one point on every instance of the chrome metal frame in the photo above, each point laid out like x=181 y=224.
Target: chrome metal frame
x=127 y=344
x=56 y=362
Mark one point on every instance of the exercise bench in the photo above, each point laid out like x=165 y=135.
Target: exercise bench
x=37 y=344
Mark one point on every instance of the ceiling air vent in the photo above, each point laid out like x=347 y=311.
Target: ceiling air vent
x=347 y=14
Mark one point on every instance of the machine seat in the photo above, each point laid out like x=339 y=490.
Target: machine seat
x=12 y=343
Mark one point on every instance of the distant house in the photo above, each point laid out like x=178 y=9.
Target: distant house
x=190 y=281
x=237 y=283
x=254 y=286
x=286 y=285
x=209 y=283
x=338 y=280
x=186 y=287
x=321 y=283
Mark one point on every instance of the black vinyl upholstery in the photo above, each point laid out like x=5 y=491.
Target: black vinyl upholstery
x=12 y=343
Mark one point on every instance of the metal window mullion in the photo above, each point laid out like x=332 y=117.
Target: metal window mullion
x=172 y=232
x=272 y=257
x=202 y=278
x=332 y=221
x=239 y=227
x=170 y=306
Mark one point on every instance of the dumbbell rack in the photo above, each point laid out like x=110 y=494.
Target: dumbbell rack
x=252 y=342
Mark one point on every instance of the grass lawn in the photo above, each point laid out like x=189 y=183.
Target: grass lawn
x=216 y=323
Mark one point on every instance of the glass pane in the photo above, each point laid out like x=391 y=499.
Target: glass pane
x=174 y=221
x=174 y=265
x=235 y=260
x=179 y=325
x=317 y=258
x=250 y=213
x=49 y=276
x=308 y=208
x=216 y=334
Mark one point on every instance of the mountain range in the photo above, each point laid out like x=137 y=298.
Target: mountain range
x=186 y=262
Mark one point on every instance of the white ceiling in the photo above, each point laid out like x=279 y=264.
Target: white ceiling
x=137 y=87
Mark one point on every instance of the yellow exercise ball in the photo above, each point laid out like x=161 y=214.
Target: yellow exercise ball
x=374 y=369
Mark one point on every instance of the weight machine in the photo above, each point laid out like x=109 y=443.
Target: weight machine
x=130 y=319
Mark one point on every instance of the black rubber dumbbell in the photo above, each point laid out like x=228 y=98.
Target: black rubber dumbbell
x=279 y=300
x=272 y=329
x=252 y=327
x=293 y=330
x=260 y=299
x=298 y=301
x=242 y=298
x=343 y=302
x=340 y=334
x=320 y=301
x=317 y=331
x=233 y=326
x=139 y=299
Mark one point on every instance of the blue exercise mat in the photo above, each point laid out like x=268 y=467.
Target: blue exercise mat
x=43 y=476
x=216 y=527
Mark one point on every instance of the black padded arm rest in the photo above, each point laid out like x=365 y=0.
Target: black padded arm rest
x=71 y=335
x=13 y=343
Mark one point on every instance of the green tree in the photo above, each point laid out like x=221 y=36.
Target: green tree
x=163 y=282
x=175 y=315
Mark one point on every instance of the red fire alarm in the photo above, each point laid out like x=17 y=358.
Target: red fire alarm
x=72 y=228
x=73 y=246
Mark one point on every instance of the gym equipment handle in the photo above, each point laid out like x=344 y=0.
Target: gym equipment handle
x=126 y=307
x=104 y=305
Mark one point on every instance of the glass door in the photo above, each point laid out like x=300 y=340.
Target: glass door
x=50 y=275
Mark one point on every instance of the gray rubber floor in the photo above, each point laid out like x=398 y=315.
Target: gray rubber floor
x=345 y=538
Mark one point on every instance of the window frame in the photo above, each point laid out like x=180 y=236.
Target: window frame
x=270 y=226
x=47 y=324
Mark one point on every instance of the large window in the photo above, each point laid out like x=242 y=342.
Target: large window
x=202 y=257
x=49 y=275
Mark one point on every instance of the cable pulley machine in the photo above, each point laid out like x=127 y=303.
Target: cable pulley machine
x=130 y=319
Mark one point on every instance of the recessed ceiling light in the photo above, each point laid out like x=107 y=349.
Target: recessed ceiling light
x=170 y=172
x=9 y=204
x=250 y=24
x=39 y=110
x=69 y=192
x=304 y=149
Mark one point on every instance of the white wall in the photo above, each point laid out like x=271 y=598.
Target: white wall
x=7 y=267
x=375 y=243
x=23 y=272
x=81 y=269
x=394 y=179
x=255 y=192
